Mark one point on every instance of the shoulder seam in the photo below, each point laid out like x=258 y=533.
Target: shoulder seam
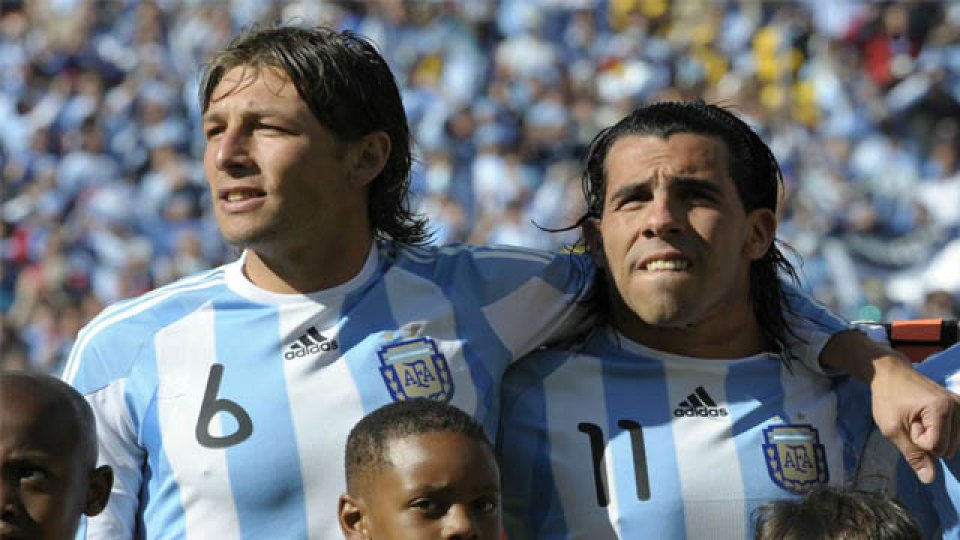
x=135 y=307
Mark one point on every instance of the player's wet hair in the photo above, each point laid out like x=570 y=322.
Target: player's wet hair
x=833 y=513
x=368 y=440
x=755 y=173
x=350 y=90
x=57 y=401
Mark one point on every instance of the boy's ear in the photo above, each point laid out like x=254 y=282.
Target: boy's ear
x=352 y=516
x=98 y=492
x=368 y=157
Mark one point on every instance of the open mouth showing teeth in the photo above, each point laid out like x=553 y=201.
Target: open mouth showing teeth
x=673 y=265
x=235 y=196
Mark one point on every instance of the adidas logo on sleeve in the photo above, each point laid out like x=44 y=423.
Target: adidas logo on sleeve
x=699 y=403
x=311 y=342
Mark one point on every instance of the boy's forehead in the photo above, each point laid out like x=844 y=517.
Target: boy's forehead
x=37 y=416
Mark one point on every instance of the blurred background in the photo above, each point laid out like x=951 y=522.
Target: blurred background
x=103 y=195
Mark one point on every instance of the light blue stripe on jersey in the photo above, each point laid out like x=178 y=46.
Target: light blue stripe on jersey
x=647 y=410
x=854 y=419
x=540 y=472
x=363 y=322
x=742 y=395
x=807 y=308
x=272 y=422
x=466 y=323
x=162 y=502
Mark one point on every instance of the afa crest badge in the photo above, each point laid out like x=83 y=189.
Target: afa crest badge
x=415 y=369
x=795 y=458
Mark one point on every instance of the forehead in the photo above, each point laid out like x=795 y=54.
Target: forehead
x=423 y=457
x=255 y=83
x=38 y=422
x=637 y=157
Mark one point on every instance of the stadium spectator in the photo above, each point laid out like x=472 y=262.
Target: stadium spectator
x=48 y=456
x=420 y=469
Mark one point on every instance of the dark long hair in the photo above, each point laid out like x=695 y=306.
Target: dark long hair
x=351 y=91
x=754 y=171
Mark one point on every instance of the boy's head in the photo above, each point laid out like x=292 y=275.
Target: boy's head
x=48 y=455
x=420 y=469
x=832 y=513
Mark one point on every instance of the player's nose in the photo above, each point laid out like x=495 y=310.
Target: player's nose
x=660 y=216
x=233 y=150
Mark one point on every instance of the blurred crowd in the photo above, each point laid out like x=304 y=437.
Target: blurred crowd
x=100 y=143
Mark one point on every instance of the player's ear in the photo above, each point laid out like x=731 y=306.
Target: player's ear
x=98 y=492
x=351 y=513
x=368 y=156
x=593 y=240
x=763 y=230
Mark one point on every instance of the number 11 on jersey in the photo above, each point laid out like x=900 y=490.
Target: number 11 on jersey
x=597 y=444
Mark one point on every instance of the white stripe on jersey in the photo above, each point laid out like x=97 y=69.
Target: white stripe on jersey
x=200 y=471
x=118 y=451
x=512 y=324
x=126 y=310
x=571 y=483
x=953 y=382
x=321 y=435
x=696 y=439
x=418 y=299
x=811 y=394
x=517 y=254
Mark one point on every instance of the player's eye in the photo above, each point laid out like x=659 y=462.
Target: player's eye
x=698 y=194
x=31 y=473
x=428 y=506
x=486 y=505
x=270 y=128
x=633 y=200
x=212 y=131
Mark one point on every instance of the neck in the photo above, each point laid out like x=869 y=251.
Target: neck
x=306 y=269
x=733 y=333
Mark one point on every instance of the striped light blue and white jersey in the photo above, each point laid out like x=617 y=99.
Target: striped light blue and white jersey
x=617 y=440
x=224 y=409
x=935 y=506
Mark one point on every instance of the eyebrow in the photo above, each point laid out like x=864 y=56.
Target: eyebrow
x=681 y=181
x=215 y=116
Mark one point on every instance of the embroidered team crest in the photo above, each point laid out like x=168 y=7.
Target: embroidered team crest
x=415 y=369
x=795 y=458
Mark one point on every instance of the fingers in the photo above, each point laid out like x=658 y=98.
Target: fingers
x=937 y=429
x=921 y=462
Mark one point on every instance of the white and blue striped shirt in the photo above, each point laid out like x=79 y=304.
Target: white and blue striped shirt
x=617 y=440
x=224 y=409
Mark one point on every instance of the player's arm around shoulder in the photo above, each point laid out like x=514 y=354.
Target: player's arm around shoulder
x=915 y=413
x=528 y=297
x=99 y=367
x=919 y=416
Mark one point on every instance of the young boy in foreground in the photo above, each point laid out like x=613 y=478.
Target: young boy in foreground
x=420 y=469
x=48 y=455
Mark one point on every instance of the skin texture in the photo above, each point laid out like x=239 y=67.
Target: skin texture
x=48 y=479
x=437 y=485
x=673 y=200
x=301 y=206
